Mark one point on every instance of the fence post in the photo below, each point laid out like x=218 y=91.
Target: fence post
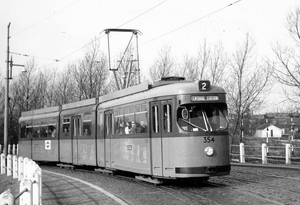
x=8 y=149
x=287 y=154
x=36 y=188
x=15 y=167
x=242 y=153
x=14 y=149
x=3 y=163
x=26 y=165
x=8 y=165
x=264 y=153
x=21 y=168
x=26 y=188
x=7 y=198
x=17 y=151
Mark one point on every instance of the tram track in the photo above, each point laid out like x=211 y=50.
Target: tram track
x=243 y=186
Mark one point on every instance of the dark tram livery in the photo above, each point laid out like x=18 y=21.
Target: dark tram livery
x=172 y=129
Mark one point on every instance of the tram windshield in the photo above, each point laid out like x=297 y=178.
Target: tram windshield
x=202 y=117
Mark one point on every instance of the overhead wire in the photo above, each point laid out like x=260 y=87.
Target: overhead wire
x=194 y=21
x=155 y=6
x=167 y=33
x=45 y=18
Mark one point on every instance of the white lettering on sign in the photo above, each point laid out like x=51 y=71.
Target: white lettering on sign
x=47 y=144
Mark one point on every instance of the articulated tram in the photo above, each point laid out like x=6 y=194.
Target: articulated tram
x=171 y=129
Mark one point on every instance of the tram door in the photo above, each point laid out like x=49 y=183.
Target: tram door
x=156 y=138
x=76 y=133
x=107 y=137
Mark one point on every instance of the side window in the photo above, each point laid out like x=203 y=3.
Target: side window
x=29 y=130
x=108 y=122
x=66 y=127
x=87 y=124
x=22 y=130
x=100 y=125
x=141 y=118
x=36 y=129
x=44 y=130
x=119 y=122
x=167 y=117
x=52 y=132
x=77 y=126
x=130 y=126
x=155 y=122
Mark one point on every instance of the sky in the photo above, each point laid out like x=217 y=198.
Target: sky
x=56 y=32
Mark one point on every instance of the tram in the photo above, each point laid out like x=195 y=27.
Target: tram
x=171 y=129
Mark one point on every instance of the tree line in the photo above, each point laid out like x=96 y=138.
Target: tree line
x=246 y=77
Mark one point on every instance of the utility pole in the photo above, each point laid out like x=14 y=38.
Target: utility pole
x=6 y=96
x=9 y=64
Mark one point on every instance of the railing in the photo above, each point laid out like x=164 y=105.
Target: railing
x=288 y=154
x=29 y=175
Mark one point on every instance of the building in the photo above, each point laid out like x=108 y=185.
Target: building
x=268 y=130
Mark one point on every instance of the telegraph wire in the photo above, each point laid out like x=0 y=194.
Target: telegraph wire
x=194 y=21
x=104 y=35
x=45 y=19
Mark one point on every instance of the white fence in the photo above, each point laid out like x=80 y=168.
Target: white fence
x=29 y=176
x=265 y=154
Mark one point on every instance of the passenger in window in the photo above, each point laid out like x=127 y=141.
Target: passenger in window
x=128 y=128
x=121 y=128
x=143 y=127
x=53 y=133
x=86 y=132
x=138 y=128
x=133 y=127
x=66 y=132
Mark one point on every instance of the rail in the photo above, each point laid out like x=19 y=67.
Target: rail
x=29 y=177
x=264 y=154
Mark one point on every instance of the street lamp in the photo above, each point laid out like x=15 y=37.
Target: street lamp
x=8 y=77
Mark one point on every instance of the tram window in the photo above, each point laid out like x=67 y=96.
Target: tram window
x=155 y=122
x=119 y=122
x=52 y=132
x=87 y=124
x=202 y=117
x=28 y=130
x=130 y=126
x=23 y=130
x=36 y=130
x=108 y=123
x=44 y=130
x=141 y=119
x=101 y=125
x=167 y=110
x=77 y=126
x=66 y=127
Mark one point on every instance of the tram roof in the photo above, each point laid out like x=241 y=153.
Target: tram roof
x=40 y=111
x=157 y=89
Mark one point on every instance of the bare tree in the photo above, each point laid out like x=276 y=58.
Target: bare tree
x=209 y=64
x=90 y=74
x=204 y=56
x=163 y=66
x=287 y=65
x=189 y=68
x=65 y=88
x=126 y=75
x=247 y=84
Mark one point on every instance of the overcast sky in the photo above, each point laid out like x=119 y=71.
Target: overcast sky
x=51 y=30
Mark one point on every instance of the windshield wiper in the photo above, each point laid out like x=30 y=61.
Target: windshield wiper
x=196 y=126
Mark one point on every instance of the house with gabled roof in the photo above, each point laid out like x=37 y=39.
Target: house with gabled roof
x=268 y=130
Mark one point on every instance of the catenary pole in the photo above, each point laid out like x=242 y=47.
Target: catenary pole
x=6 y=96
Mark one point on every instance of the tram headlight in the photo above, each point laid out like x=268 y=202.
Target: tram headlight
x=209 y=151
